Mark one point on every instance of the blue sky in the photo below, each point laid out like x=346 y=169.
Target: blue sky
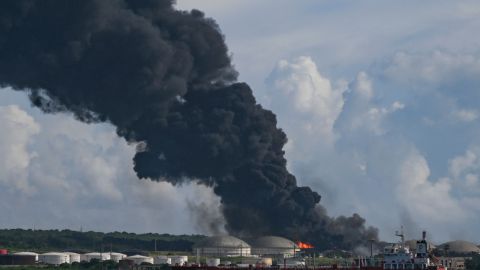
x=379 y=100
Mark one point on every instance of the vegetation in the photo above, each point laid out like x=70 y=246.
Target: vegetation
x=60 y=240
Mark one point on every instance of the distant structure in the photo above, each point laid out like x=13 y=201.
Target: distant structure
x=453 y=263
x=222 y=246
x=178 y=259
x=274 y=246
x=27 y=253
x=162 y=259
x=139 y=259
x=412 y=245
x=54 y=258
x=117 y=257
x=12 y=259
x=458 y=247
x=94 y=256
x=73 y=257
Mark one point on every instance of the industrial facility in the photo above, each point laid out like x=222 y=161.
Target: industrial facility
x=222 y=246
x=274 y=246
x=225 y=250
x=458 y=247
x=212 y=251
x=229 y=246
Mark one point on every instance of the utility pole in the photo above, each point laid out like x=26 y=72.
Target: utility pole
x=313 y=260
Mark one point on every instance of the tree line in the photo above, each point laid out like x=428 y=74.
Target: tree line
x=63 y=240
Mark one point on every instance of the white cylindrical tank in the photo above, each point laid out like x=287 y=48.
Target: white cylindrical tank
x=116 y=257
x=139 y=259
x=162 y=260
x=179 y=260
x=74 y=257
x=294 y=262
x=27 y=253
x=90 y=256
x=54 y=258
x=95 y=255
x=105 y=256
x=263 y=262
x=213 y=262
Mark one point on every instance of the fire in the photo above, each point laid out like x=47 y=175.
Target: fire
x=303 y=245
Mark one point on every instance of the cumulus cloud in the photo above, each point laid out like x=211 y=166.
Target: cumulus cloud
x=435 y=68
x=361 y=112
x=298 y=87
x=465 y=115
x=17 y=129
x=378 y=155
x=61 y=173
x=408 y=123
x=464 y=171
x=424 y=198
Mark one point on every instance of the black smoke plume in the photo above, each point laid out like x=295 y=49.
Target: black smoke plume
x=164 y=78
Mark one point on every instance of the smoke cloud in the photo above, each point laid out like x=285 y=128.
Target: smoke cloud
x=165 y=80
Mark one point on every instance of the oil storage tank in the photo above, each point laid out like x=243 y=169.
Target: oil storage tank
x=95 y=255
x=12 y=259
x=139 y=259
x=105 y=256
x=54 y=258
x=27 y=253
x=222 y=246
x=459 y=247
x=116 y=257
x=179 y=259
x=274 y=246
x=73 y=257
x=213 y=262
x=162 y=260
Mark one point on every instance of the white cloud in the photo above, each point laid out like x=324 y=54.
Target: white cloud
x=464 y=170
x=427 y=201
x=377 y=159
x=18 y=127
x=362 y=113
x=415 y=107
x=71 y=174
x=298 y=88
x=436 y=68
x=465 y=115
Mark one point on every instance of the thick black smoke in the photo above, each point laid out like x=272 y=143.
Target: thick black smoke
x=165 y=80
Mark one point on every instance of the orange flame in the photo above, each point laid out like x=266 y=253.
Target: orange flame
x=303 y=245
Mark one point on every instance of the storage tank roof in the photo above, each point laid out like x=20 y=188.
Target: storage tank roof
x=26 y=253
x=222 y=241
x=460 y=246
x=93 y=254
x=137 y=257
x=54 y=254
x=273 y=242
